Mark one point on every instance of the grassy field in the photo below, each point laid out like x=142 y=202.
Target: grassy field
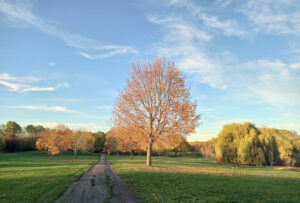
x=32 y=177
x=193 y=179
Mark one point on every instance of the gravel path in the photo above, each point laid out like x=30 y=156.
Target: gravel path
x=99 y=184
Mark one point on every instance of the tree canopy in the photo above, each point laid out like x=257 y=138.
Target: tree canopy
x=156 y=101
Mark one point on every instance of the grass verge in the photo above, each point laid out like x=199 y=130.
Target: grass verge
x=193 y=179
x=32 y=177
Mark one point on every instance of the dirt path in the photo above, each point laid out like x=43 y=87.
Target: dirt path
x=99 y=184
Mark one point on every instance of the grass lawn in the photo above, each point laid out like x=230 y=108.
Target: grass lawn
x=193 y=179
x=32 y=177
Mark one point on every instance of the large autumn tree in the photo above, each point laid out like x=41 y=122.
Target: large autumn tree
x=156 y=101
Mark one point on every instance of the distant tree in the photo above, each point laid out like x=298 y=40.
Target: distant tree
x=99 y=141
x=184 y=146
x=55 y=141
x=197 y=146
x=129 y=139
x=209 y=149
x=81 y=141
x=110 y=142
x=2 y=129
x=11 y=142
x=172 y=142
x=27 y=143
x=13 y=127
x=2 y=143
x=156 y=101
x=34 y=130
x=76 y=138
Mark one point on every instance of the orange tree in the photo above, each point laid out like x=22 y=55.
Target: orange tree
x=55 y=141
x=129 y=139
x=156 y=101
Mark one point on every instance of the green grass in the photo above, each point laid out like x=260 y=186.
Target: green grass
x=193 y=179
x=32 y=177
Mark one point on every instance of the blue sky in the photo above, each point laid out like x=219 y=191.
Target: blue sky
x=64 y=61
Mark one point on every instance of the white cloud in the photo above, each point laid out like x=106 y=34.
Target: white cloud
x=61 y=109
x=185 y=44
x=51 y=64
x=92 y=127
x=44 y=108
x=109 y=52
x=157 y=20
x=281 y=16
x=21 y=84
x=295 y=66
x=229 y=27
x=185 y=41
x=8 y=77
x=20 y=13
x=258 y=81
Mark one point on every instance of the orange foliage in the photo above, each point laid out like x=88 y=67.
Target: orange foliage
x=55 y=141
x=129 y=139
x=156 y=102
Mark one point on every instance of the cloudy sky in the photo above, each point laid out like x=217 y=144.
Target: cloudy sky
x=64 y=61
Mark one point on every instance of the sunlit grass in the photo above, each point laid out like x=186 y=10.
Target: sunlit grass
x=182 y=179
x=32 y=177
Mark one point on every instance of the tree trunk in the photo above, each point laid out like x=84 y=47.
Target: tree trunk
x=271 y=158
x=75 y=154
x=51 y=157
x=131 y=155
x=175 y=153
x=149 y=149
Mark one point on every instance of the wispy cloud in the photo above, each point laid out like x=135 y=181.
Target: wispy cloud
x=22 y=84
x=20 y=13
x=51 y=64
x=185 y=43
x=186 y=36
x=61 y=109
x=280 y=17
x=228 y=27
x=77 y=126
x=108 y=51
x=45 y=108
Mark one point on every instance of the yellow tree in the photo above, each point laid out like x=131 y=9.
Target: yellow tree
x=156 y=101
x=110 y=142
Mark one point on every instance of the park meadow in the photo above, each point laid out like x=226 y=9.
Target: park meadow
x=148 y=148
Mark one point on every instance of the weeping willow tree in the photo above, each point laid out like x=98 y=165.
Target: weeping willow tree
x=245 y=144
x=240 y=144
x=269 y=145
x=288 y=147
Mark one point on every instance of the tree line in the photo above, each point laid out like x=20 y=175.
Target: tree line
x=14 y=138
x=245 y=144
x=56 y=140
x=238 y=144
